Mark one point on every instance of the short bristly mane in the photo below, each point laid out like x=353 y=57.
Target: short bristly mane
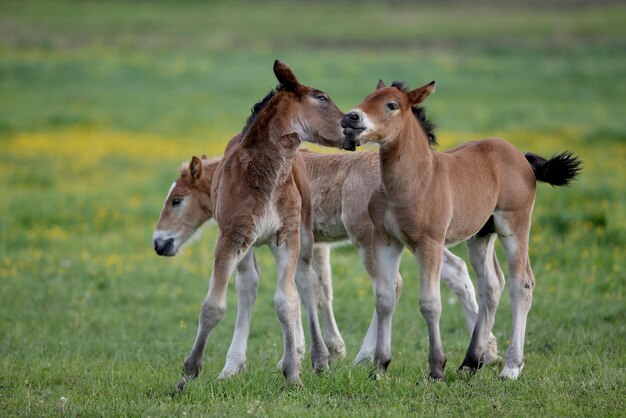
x=258 y=106
x=420 y=114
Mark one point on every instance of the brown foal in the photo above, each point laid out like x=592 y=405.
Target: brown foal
x=260 y=195
x=428 y=200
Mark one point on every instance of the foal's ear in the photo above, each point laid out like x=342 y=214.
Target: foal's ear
x=195 y=168
x=420 y=94
x=381 y=84
x=285 y=76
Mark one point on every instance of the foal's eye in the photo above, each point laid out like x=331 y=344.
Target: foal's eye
x=392 y=106
x=176 y=201
x=321 y=98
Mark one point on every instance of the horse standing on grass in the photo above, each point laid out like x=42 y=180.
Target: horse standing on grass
x=260 y=196
x=340 y=187
x=428 y=200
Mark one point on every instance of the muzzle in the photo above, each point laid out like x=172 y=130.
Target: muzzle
x=352 y=128
x=164 y=246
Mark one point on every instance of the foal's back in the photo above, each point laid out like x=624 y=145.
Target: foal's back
x=492 y=167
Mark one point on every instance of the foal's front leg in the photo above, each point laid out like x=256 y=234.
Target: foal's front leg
x=309 y=289
x=368 y=257
x=429 y=257
x=213 y=307
x=388 y=263
x=287 y=302
x=246 y=282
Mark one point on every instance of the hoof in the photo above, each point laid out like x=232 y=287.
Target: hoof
x=491 y=357
x=321 y=367
x=180 y=386
x=295 y=382
x=380 y=370
x=375 y=374
x=469 y=371
x=437 y=373
x=321 y=363
x=511 y=373
x=438 y=376
x=337 y=351
x=231 y=370
x=191 y=370
x=437 y=368
x=363 y=357
x=471 y=365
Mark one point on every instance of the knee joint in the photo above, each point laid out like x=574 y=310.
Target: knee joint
x=385 y=303
x=430 y=306
x=213 y=311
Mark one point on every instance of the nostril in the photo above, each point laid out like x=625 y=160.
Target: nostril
x=354 y=116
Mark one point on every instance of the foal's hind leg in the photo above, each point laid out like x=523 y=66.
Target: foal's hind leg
x=490 y=285
x=455 y=276
x=321 y=265
x=246 y=283
x=513 y=231
x=213 y=306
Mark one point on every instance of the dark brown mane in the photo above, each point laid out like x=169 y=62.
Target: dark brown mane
x=258 y=106
x=420 y=114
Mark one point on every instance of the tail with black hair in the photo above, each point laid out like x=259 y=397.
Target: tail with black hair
x=559 y=170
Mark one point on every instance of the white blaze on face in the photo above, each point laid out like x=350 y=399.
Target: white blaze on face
x=169 y=193
x=161 y=233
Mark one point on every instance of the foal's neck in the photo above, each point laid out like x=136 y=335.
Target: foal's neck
x=268 y=145
x=406 y=159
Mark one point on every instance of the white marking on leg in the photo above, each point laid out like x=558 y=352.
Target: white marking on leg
x=456 y=277
x=521 y=285
x=246 y=284
x=321 y=265
x=388 y=260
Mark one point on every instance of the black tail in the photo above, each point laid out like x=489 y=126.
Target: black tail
x=559 y=170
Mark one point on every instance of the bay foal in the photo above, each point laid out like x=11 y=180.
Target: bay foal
x=427 y=200
x=259 y=196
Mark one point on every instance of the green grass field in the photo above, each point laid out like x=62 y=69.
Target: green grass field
x=101 y=101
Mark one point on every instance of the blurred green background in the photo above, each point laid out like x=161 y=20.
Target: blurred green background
x=101 y=101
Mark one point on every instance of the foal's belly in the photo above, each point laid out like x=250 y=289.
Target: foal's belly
x=328 y=229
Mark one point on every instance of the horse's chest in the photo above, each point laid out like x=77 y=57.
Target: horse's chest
x=267 y=225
